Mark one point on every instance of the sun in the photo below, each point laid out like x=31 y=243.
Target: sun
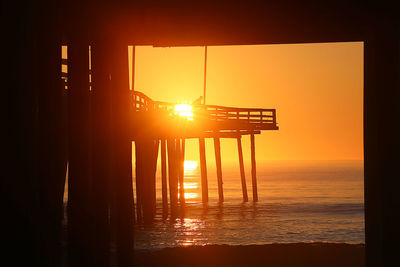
x=190 y=165
x=184 y=110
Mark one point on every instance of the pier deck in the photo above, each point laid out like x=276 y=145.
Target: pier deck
x=160 y=120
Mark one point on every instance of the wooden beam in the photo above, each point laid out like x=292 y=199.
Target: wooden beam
x=203 y=168
x=242 y=173
x=253 y=168
x=217 y=149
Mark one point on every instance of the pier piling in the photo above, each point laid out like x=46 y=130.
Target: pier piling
x=203 y=167
x=149 y=153
x=181 y=162
x=79 y=141
x=139 y=191
x=253 y=168
x=152 y=176
x=101 y=149
x=164 y=190
x=173 y=176
x=242 y=173
x=122 y=206
x=217 y=149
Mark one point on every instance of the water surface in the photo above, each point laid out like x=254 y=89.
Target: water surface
x=298 y=202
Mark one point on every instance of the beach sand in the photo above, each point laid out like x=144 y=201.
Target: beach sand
x=293 y=254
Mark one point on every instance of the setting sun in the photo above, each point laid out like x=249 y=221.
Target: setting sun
x=190 y=165
x=184 y=110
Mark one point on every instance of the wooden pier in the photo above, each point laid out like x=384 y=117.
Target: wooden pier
x=170 y=124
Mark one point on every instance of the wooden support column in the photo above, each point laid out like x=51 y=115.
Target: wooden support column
x=181 y=162
x=253 y=168
x=121 y=182
x=152 y=176
x=164 y=188
x=217 y=149
x=51 y=138
x=381 y=145
x=242 y=173
x=149 y=152
x=102 y=136
x=203 y=168
x=78 y=210
x=173 y=176
x=139 y=176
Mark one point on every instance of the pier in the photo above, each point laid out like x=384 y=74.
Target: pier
x=170 y=124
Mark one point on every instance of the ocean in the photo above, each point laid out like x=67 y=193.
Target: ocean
x=299 y=201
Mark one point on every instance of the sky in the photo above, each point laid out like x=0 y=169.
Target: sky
x=316 y=89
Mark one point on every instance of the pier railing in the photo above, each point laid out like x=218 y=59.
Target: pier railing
x=212 y=117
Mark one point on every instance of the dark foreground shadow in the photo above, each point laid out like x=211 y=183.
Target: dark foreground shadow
x=295 y=254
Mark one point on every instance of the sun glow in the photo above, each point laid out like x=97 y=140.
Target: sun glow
x=184 y=110
x=190 y=165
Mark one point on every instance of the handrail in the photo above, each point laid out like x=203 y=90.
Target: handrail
x=255 y=117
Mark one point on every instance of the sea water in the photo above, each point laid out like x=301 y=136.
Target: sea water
x=299 y=201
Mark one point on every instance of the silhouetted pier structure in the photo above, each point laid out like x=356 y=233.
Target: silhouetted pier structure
x=171 y=124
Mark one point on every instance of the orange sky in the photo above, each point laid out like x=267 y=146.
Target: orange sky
x=317 y=90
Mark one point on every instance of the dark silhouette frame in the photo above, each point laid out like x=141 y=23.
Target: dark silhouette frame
x=33 y=124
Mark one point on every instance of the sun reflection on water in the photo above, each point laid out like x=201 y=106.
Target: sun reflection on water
x=189 y=196
x=192 y=186
x=189 y=231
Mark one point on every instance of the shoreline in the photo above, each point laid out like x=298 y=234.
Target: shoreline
x=276 y=254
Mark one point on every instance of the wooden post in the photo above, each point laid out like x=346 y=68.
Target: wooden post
x=173 y=177
x=217 y=149
x=242 y=173
x=122 y=209
x=149 y=153
x=154 y=158
x=164 y=189
x=181 y=162
x=101 y=116
x=139 y=175
x=78 y=154
x=203 y=167
x=381 y=148
x=253 y=168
